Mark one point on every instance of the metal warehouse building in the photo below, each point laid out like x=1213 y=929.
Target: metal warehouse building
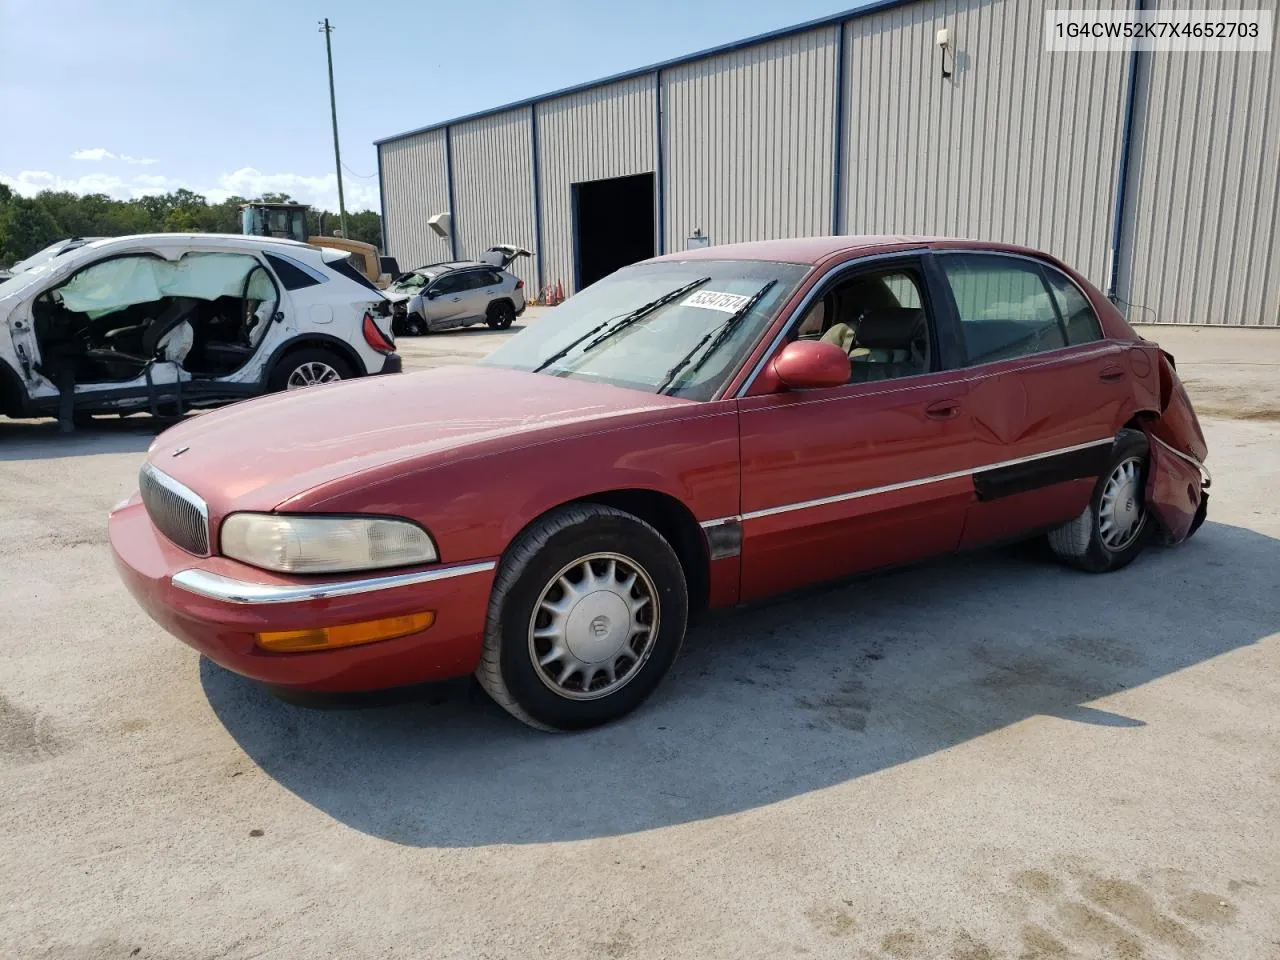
x=1156 y=174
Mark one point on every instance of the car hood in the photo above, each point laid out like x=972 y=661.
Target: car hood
x=257 y=454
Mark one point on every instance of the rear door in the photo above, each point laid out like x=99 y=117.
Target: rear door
x=870 y=474
x=489 y=289
x=486 y=287
x=1046 y=393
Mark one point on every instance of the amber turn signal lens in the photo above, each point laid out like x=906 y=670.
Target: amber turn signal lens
x=347 y=635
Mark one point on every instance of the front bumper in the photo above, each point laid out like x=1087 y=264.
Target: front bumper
x=217 y=606
x=392 y=364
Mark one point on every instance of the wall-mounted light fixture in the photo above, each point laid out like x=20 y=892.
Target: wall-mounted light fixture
x=944 y=41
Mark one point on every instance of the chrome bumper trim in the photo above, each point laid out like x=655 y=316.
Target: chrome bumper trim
x=1206 y=479
x=229 y=590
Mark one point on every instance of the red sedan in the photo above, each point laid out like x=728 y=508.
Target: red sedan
x=695 y=431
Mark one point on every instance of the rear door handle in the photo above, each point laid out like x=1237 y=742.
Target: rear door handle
x=1111 y=373
x=942 y=410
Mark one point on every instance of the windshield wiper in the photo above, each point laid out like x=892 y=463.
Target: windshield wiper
x=716 y=338
x=624 y=320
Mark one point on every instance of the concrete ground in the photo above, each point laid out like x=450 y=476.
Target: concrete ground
x=987 y=757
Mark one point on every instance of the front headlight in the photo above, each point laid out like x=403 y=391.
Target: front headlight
x=298 y=544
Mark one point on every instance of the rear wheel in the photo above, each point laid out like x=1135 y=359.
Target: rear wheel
x=308 y=367
x=1116 y=524
x=501 y=315
x=586 y=617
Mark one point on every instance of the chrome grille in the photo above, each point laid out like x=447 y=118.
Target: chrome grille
x=176 y=510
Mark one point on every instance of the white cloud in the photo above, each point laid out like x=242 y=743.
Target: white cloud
x=101 y=153
x=319 y=191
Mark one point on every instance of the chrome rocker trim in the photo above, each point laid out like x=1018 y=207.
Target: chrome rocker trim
x=906 y=484
x=229 y=590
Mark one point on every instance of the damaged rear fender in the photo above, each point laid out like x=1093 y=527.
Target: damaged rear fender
x=1176 y=476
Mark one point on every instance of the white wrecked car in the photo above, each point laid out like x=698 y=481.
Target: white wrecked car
x=168 y=322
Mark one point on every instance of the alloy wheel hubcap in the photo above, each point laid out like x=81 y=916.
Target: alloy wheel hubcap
x=1121 y=512
x=593 y=626
x=309 y=374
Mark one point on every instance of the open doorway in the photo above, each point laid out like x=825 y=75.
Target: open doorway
x=612 y=225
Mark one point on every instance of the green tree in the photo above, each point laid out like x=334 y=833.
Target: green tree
x=28 y=227
x=28 y=224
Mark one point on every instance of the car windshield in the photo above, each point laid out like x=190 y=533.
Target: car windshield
x=675 y=327
x=412 y=282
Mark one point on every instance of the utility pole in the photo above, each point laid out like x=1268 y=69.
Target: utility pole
x=326 y=29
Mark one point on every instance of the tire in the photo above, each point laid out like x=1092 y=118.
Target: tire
x=415 y=326
x=558 y=548
x=306 y=363
x=1090 y=542
x=501 y=315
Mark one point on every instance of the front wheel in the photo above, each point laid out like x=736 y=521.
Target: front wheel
x=1116 y=524
x=415 y=326
x=308 y=367
x=587 y=615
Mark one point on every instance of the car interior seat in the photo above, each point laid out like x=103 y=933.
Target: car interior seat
x=118 y=365
x=815 y=318
x=895 y=341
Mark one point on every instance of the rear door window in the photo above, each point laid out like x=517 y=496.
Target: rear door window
x=1005 y=306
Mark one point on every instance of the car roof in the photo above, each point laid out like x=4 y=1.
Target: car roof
x=234 y=241
x=449 y=265
x=813 y=250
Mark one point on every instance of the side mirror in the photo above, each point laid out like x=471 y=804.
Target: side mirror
x=812 y=365
x=431 y=294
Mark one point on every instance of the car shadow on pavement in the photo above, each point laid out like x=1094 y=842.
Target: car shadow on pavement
x=40 y=439
x=773 y=702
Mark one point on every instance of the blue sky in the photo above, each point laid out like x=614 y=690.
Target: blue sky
x=230 y=96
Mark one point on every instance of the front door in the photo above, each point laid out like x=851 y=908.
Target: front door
x=445 y=301
x=1047 y=393
x=870 y=474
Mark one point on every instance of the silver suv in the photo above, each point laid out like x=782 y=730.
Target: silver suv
x=443 y=296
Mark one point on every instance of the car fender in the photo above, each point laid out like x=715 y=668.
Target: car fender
x=338 y=345
x=1176 y=475
x=478 y=500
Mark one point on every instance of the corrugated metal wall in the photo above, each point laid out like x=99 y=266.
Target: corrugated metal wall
x=1202 y=242
x=747 y=137
x=604 y=132
x=493 y=186
x=413 y=178
x=1018 y=145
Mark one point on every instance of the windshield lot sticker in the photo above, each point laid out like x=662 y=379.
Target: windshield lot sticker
x=711 y=300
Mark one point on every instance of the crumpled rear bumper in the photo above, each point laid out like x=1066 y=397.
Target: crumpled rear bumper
x=1176 y=478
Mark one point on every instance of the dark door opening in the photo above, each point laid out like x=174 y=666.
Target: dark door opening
x=612 y=225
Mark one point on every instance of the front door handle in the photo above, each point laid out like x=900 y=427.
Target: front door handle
x=457 y=299
x=942 y=410
x=1111 y=373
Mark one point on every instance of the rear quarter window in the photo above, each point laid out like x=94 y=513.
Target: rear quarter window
x=344 y=267
x=1077 y=312
x=293 y=277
